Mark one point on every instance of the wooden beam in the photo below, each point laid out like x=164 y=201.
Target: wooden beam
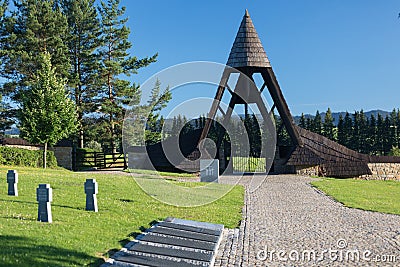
x=280 y=102
x=222 y=111
x=215 y=104
x=263 y=87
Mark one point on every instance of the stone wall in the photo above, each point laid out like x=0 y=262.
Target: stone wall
x=63 y=155
x=24 y=147
x=307 y=170
x=383 y=171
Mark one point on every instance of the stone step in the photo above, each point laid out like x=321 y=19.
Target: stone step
x=173 y=242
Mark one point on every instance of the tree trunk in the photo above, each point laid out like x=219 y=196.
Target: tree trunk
x=80 y=122
x=45 y=156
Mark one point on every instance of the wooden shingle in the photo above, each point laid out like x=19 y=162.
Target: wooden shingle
x=247 y=50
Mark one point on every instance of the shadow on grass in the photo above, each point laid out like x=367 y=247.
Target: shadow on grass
x=36 y=203
x=22 y=251
x=125 y=241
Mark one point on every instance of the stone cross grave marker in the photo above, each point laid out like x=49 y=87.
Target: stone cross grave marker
x=91 y=189
x=209 y=170
x=44 y=195
x=12 y=180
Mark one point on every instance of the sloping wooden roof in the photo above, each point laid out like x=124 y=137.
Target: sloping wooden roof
x=247 y=50
x=334 y=159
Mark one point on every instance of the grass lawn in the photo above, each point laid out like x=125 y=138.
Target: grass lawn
x=77 y=237
x=382 y=196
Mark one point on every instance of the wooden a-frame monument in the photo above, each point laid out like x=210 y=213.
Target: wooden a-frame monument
x=309 y=150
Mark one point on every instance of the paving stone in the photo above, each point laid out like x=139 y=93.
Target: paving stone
x=286 y=213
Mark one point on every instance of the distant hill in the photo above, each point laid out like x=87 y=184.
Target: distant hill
x=12 y=131
x=336 y=115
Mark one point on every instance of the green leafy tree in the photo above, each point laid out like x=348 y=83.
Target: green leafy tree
x=82 y=40
x=254 y=134
x=114 y=91
x=328 y=126
x=47 y=113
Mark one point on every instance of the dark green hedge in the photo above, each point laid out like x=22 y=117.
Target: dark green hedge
x=24 y=157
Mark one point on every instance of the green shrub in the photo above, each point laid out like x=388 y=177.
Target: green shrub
x=94 y=146
x=86 y=149
x=395 y=151
x=25 y=157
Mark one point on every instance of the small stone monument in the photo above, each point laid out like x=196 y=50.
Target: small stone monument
x=91 y=189
x=44 y=195
x=209 y=170
x=12 y=180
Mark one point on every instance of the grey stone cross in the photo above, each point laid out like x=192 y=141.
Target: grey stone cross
x=44 y=195
x=91 y=189
x=12 y=180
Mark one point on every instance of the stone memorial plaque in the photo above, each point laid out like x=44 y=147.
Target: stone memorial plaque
x=91 y=189
x=12 y=181
x=209 y=170
x=44 y=195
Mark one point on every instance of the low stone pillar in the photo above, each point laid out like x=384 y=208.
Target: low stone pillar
x=209 y=170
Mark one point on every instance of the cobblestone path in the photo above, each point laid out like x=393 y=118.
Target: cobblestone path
x=286 y=222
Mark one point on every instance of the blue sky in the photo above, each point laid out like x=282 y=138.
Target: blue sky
x=327 y=53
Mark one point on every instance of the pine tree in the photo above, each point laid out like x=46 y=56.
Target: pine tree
x=115 y=92
x=371 y=140
x=328 y=126
x=398 y=128
x=348 y=130
x=5 y=121
x=380 y=135
x=341 y=135
x=47 y=113
x=156 y=103
x=393 y=135
x=317 y=127
x=387 y=140
x=4 y=33
x=35 y=27
x=355 y=134
x=363 y=133
x=309 y=124
x=3 y=8
x=82 y=40
x=302 y=122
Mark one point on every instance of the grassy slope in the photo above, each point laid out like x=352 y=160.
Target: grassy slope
x=77 y=237
x=382 y=196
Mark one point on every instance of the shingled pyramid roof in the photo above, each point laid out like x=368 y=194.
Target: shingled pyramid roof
x=247 y=50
